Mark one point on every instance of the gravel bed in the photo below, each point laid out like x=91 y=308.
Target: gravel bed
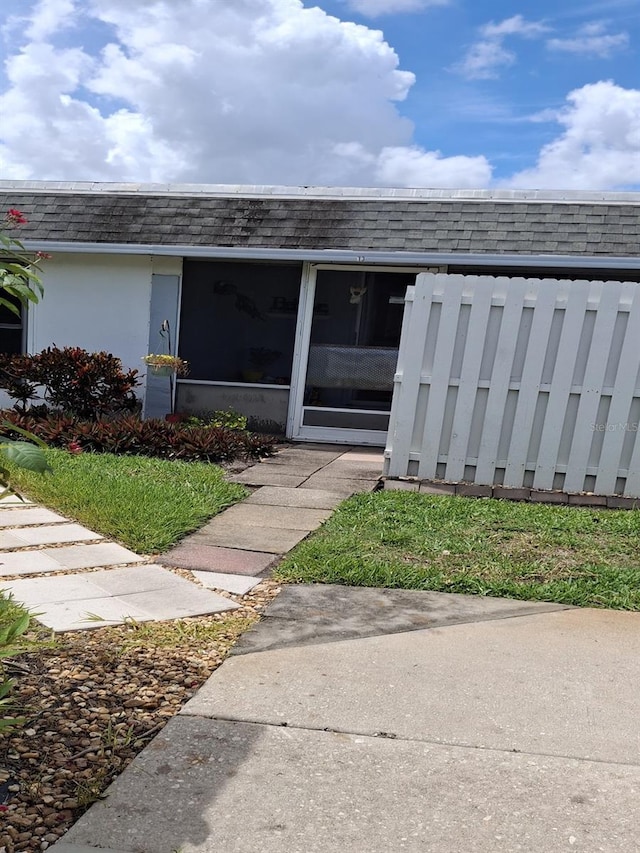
x=92 y=702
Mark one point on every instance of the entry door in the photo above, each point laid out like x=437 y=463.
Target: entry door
x=351 y=321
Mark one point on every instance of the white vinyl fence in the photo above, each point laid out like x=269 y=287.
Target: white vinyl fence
x=522 y=382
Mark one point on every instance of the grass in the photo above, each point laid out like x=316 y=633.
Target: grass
x=182 y=634
x=404 y=540
x=147 y=504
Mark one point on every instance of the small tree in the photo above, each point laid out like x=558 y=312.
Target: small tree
x=87 y=384
x=20 y=285
x=19 y=271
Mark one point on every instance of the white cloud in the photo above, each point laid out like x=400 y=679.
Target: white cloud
x=591 y=40
x=225 y=91
x=600 y=145
x=245 y=94
x=485 y=59
x=487 y=56
x=376 y=8
x=415 y=167
x=48 y=17
x=514 y=26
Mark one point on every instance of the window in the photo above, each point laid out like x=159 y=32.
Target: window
x=238 y=321
x=11 y=328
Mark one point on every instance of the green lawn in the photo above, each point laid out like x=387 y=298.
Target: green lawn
x=487 y=547
x=147 y=504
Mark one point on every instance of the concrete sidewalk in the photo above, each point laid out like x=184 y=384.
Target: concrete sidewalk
x=372 y=721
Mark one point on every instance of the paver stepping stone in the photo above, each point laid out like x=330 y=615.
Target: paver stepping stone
x=135 y=579
x=35 y=592
x=298 y=498
x=296 y=467
x=345 y=487
x=261 y=475
x=8 y=539
x=30 y=515
x=88 y=556
x=343 y=468
x=46 y=535
x=190 y=554
x=13 y=500
x=238 y=584
x=257 y=515
x=273 y=540
x=71 y=602
x=27 y=563
x=372 y=457
x=89 y=613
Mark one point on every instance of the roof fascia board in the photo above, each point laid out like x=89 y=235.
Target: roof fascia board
x=319 y=193
x=337 y=255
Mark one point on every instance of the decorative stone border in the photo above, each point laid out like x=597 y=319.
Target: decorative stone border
x=475 y=490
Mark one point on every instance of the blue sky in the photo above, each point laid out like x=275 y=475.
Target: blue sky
x=442 y=93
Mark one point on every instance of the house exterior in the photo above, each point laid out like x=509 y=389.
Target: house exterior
x=482 y=336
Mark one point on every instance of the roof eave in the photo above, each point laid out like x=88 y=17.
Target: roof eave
x=328 y=256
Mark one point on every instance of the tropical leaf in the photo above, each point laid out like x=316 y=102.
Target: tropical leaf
x=18 y=627
x=25 y=433
x=26 y=455
x=11 y=306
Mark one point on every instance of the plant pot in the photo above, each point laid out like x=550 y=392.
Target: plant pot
x=162 y=369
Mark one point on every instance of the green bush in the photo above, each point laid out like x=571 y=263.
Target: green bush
x=74 y=381
x=14 y=621
x=228 y=419
x=156 y=438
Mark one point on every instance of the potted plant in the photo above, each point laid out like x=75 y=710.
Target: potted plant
x=164 y=364
x=259 y=359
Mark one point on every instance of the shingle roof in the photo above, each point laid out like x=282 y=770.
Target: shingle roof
x=388 y=224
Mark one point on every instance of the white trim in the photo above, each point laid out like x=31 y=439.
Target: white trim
x=411 y=270
x=301 y=349
x=346 y=411
x=332 y=435
x=232 y=384
x=344 y=256
x=296 y=430
x=313 y=192
x=176 y=338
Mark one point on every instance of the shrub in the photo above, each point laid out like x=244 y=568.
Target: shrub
x=129 y=434
x=16 y=378
x=228 y=419
x=14 y=621
x=20 y=281
x=74 y=380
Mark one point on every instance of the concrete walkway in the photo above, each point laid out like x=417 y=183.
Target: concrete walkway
x=372 y=721
x=296 y=491
x=44 y=557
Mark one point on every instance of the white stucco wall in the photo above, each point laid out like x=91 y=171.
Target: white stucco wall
x=97 y=302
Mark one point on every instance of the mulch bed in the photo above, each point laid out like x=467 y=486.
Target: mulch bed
x=92 y=702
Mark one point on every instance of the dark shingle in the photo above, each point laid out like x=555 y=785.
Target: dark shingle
x=385 y=224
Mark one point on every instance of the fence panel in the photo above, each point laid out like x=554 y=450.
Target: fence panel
x=527 y=382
